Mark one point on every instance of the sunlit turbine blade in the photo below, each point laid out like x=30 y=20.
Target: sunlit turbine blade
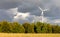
x=45 y=10
x=40 y=8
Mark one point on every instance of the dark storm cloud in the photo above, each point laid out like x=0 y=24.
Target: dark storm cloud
x=54 y=12
x=23 y=5
x=33 y=7
x=27 y=8
x=34 y=10
x=30 y=6
x=7 y=4
x=5 y=15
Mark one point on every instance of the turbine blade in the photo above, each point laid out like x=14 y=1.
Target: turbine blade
x=40 y=8
x=45 y=10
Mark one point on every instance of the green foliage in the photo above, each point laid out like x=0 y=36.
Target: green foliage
x=49 y=28
x=5 y=27
x=17 y=28
x=38 y=27
x=56 y=29
x=28 y=28
x=41 y=27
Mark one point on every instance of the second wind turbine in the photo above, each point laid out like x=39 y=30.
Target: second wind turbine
x=42 y=14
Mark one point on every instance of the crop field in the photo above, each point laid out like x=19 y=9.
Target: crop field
x=27 y=35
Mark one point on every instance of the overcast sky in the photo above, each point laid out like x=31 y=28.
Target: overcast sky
x=28 y=10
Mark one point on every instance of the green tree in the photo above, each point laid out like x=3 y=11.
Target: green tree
x=17 y=28
x=49 y=28
x=5 y=27
x=41 y=27
x=44 y=28
x=28 y=28
x=32 y=27
x=56 y=29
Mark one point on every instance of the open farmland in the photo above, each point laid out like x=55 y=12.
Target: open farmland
x=27 y=35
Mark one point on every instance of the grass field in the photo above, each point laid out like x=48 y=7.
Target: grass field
x=27 y=35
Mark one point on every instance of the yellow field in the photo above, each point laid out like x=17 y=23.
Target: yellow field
x=28 y=35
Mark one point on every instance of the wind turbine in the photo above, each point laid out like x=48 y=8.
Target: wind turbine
x=42 y=14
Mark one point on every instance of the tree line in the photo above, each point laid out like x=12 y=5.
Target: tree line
x=38 y=27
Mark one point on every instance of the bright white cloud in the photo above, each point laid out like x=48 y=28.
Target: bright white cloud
x=39 y=18
x=22 y=15
x=18 y=15
x=56 y=21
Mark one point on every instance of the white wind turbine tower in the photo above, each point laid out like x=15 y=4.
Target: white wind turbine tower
x=42 y=14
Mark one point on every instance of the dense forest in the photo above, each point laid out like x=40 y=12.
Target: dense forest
x=38 y=27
